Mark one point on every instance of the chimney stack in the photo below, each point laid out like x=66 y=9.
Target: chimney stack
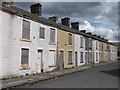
x=98 y=36
x=89 y=33
x=95 y=35
x=84 y=31
x=66 y=21
x=36 y=9
x=75 y=25
x=54 y=19
x=7 y=3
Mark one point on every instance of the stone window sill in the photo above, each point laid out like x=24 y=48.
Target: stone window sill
x=27 y=40
x=24 y=67
x=50 y=66
x=51 y=43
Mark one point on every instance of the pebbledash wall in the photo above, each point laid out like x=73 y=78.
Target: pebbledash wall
x=12 y=44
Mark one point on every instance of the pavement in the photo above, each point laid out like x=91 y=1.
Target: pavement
x=31 y=79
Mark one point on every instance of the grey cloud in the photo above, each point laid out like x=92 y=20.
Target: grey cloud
x=72 y=9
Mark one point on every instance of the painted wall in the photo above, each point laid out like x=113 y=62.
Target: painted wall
x=113 y=52
x=78 y=49
x=89 y=50
x=105 y=52
x=101 y=51
x=95 y=49
x=63 y=46
x=11 y=47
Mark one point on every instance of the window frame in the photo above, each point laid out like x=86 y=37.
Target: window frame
x=69 y=39
x=70 y=62
x=25 y=66
x=90 y=43
x=96 y=56
x=23 y=28
x=41 y=29
x=96 y=45
x=52 y=65
x=81 y=42
x=51 y=35
x=81 y=58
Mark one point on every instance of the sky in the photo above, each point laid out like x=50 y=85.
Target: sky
x=100 y=18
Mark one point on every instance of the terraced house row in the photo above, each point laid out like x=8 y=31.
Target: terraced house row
x=31 y=44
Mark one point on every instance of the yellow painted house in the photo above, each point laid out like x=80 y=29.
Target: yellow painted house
x=65 y=49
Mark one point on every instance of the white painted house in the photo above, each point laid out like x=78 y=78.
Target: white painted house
x=27 y=46
x=95 y=51
x=79 y=50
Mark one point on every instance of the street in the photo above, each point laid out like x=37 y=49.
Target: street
x=100 y=77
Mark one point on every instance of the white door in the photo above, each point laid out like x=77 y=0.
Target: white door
x=40 y=62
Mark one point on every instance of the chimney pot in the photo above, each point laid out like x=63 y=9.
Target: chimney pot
x=36 y=9
x=66 y=21
x=89 y=33
x=94 y=35
x=98 y=36
x=75 y=25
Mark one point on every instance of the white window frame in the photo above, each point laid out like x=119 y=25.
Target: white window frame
x=41 y=29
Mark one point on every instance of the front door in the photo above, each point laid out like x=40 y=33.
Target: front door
x=86 y=58
x=40 y=62
x=61 y=63
x=76 y=59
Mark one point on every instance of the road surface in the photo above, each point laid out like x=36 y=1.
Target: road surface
x=100 y=77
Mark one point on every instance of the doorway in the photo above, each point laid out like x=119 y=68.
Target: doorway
x=40 y=62
x=61 y=58
x=86 y=58
x=76 y=59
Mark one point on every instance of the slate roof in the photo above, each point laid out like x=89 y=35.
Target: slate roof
x=36 y=18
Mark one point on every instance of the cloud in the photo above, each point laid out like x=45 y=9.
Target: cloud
x=102 y=31
x=106 y=12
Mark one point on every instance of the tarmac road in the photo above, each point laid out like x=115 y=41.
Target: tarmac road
x=100 y=77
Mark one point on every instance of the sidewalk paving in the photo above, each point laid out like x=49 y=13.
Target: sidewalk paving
x=29 y=79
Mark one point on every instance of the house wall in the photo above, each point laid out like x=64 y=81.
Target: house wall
x=88 y=50
x=96 y=57
x=63 y=46
x=105 y=52
x=12 y=44
x=113 y=52
x=101 y=50
x=78 y=49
